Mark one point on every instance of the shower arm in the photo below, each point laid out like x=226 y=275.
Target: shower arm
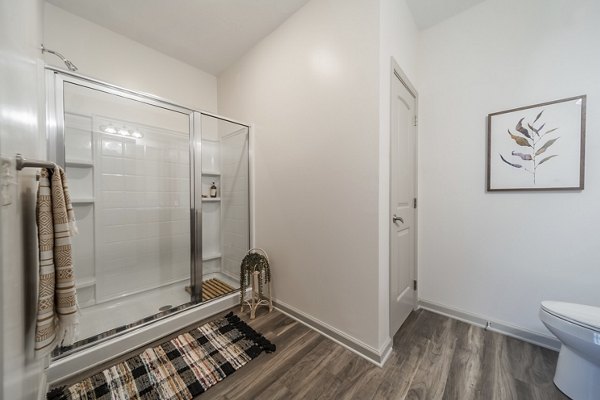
x=67 y=62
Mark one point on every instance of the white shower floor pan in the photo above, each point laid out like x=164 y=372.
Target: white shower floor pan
x=109 y=315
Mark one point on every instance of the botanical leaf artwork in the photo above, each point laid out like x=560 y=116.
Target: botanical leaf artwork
x=533 y=143
x=537 y=147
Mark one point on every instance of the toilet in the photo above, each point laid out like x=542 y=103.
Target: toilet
x=577 y=326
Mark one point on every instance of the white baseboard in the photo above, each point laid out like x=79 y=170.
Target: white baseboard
x=547 y=341
x=369 y=353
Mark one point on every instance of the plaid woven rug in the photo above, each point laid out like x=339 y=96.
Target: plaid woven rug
x=181 y=368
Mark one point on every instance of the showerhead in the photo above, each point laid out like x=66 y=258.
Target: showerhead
x=67 y=62
x=70 y=65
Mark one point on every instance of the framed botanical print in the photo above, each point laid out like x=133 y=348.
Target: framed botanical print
x=539 y=147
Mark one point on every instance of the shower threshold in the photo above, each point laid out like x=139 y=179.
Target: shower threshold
x=107 y=319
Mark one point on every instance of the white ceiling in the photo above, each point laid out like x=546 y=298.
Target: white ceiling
x=430 y=12
x=209 y=34
x=212 y=34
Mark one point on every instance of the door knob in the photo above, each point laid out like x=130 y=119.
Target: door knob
x=396 y=219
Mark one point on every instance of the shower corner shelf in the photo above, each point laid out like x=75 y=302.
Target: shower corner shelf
x=211 y=173
x=82 y=200
x=209 y=257
x=79 y=163
x=87 y=282
x=211 y=199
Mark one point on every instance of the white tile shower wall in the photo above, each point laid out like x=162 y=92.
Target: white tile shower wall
x=210 y=156
x=78 y=148
x=211 y=210
x=81 y=183
x=83 y=243
x=78 y=137
x=143 y=202
x=211 y=231
x=234 y=200
x=210 y=267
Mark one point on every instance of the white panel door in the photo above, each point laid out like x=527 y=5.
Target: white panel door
x=402 y=195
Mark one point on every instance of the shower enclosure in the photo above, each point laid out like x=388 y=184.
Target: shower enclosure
x=161 y=197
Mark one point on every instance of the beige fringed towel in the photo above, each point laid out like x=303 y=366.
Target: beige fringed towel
x=57 y=314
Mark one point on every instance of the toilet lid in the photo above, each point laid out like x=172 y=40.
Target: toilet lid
x=580 y=314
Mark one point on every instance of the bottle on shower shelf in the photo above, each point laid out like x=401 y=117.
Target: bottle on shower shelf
x=213 y=190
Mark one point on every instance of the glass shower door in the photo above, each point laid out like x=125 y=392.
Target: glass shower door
x=128 y=161
x=161 y=195
x=225 y=192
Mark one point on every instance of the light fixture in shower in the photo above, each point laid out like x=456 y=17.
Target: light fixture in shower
x=108 y=129
x=67 y=62
x=124 y=131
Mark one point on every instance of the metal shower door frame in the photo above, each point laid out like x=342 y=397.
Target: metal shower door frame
x=55 y=79
x=55 y=135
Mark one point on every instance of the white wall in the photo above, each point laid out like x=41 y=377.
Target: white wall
x=21 y=99
x=311 y=89
x=398 y=39
x=499 y=254
x=110 y=57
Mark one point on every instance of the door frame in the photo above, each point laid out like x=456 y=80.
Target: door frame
x=397 y=73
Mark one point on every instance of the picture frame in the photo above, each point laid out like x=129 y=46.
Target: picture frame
x=538 y=147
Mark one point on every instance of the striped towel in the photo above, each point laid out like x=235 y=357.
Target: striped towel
x=57 y=314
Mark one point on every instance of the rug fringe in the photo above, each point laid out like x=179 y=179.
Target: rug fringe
x=250 y=333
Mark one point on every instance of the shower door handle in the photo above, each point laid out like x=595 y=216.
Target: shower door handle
x=396 y=219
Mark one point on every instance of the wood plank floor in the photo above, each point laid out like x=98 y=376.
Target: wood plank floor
x=434 y=357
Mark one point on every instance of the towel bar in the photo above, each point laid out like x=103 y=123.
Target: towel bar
x=22 y=162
